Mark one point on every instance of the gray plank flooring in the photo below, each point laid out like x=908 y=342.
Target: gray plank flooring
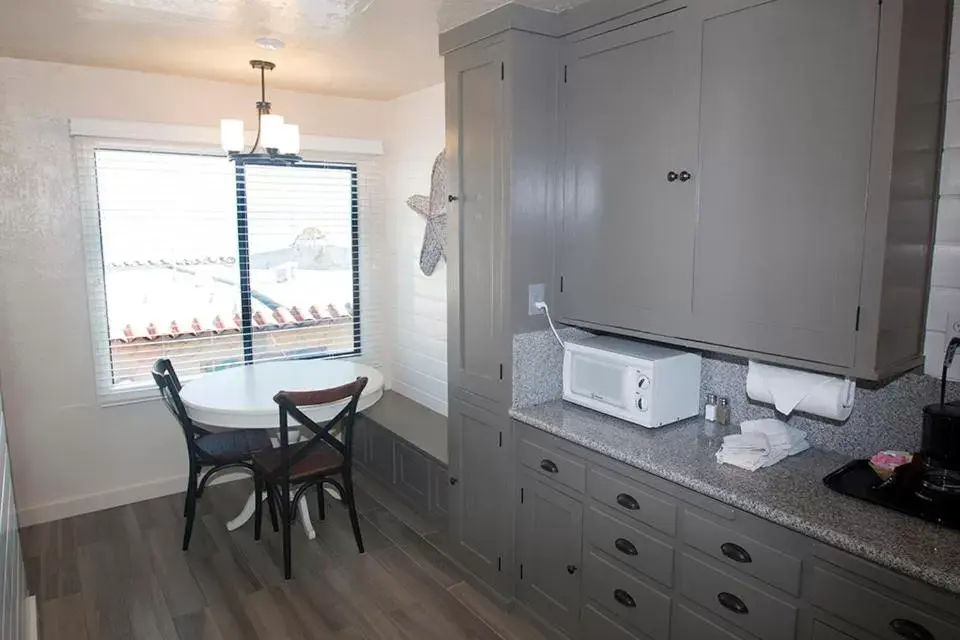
x=119 y=574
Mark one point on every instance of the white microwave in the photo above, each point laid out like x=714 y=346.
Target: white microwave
x=643 y=383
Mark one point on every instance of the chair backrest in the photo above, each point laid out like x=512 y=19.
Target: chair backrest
x=169 y=385
x=290 y=403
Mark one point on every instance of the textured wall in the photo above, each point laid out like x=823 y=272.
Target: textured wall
x=419 y=347
x=69 y=453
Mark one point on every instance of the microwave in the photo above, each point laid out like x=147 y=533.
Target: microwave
x=642 y=383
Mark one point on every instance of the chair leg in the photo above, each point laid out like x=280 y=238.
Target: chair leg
x=258 y=505
x=352 y=506
x=285 y=510
x=273 y=511
x=190 y=509
x=321 y=509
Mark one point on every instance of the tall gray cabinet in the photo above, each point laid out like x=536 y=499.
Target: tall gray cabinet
x=755 y=177
x=501 y=145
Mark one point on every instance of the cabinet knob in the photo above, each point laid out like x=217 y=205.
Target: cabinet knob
x=625 y=547
x=732 y=602
x=735 y=552
x=624 y=598
x=452 y=198
x=684 y=176
x=453 y=481
x=571 y=569
x=627 y=501
x=673 y=176
x=910 y=630
x=549 y=466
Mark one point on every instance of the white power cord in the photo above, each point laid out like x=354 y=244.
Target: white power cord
x=546 y=310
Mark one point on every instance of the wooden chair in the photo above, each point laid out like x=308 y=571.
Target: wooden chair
x=219 y=450
x=312 y=463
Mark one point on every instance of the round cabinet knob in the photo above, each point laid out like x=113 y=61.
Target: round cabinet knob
x=684 y=176
x=643 y=382
x=452 y=198
x=641 y=404
x=672 y=176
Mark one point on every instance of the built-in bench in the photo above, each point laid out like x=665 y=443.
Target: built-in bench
x=403 y=445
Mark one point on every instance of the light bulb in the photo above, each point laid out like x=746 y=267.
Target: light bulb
x=271 y=131
x=231 y=135
x=289 y=139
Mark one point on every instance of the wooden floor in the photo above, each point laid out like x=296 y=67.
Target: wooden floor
x=120 y=574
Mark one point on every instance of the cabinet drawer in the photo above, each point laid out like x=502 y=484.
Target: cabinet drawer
x=734 y=600
x=884 y=617
x=630 y=599
x=824 y=632
x=596 y=624
x=688 y=625
x=627 y=544
x=743 y=553
x=554 y=465
x=646 y=505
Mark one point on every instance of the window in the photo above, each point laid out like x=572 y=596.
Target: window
x=213 y=264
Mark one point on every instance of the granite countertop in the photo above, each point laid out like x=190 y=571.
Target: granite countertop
x=790 y=493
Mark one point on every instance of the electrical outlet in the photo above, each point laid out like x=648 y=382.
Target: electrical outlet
x=535 y=294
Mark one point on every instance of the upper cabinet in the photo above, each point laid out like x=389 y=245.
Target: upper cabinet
x=754 y=177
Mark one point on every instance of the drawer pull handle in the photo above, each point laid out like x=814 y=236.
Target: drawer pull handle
x=627 y=501
x=624 y=598
x=735 y=552
x=625 y=547
x=910 y=630
x=549 y=466
x=732 y=602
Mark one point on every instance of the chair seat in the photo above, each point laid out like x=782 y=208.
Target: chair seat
x=322 y=461
x=235 y=445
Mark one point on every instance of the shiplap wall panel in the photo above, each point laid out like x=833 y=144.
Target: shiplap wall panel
x=418 y=367
x=945 y=279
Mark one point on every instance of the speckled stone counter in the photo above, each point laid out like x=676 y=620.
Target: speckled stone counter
x=791 y=493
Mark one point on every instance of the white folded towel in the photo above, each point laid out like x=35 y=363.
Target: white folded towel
x=761 y=443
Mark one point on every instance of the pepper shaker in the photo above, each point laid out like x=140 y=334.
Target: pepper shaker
x=723 y=411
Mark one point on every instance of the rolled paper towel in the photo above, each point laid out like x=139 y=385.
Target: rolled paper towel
x=792 y=390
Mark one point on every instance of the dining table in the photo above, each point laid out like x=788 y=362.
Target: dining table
x=241 y=397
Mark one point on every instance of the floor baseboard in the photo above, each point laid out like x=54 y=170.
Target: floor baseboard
x=31 y=623
x=91 y=502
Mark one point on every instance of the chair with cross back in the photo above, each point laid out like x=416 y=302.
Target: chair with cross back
x=311 y=463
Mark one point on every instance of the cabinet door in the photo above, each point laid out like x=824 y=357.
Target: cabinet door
x=476 y=242
x=480 y=491
x=786 y=117
x=628 y=225
x=549 y=537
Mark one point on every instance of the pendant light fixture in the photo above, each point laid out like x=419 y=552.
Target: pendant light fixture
x=277 y=142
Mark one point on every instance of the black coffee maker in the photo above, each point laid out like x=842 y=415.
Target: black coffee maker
x=940 y=445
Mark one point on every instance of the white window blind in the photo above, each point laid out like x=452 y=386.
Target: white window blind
x=212 y=264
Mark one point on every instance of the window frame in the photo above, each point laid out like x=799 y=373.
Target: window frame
x=85 y=148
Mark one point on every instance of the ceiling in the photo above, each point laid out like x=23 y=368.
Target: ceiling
x=377 y=49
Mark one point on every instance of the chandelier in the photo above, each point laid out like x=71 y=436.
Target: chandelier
x=277 y=142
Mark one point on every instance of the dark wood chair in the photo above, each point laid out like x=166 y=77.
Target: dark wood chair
x=215 y=451
x=312 y=463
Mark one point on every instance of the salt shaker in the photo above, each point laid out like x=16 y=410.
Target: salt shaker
x=723 y=411
x=710 y=410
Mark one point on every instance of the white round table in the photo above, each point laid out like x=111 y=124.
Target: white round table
x=242 y=398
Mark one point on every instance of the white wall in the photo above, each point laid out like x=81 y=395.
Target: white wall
x=69 y=454
x=945 y=280
x=415 y=135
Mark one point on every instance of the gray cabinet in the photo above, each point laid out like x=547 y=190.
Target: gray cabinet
x=785 y=126
x=477 y=220
x=628 y=232
x=548 y=539
x=656 y=561
x=480 y=513
x=755 y=177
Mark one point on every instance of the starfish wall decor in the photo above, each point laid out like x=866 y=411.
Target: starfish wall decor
x=433 y=210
